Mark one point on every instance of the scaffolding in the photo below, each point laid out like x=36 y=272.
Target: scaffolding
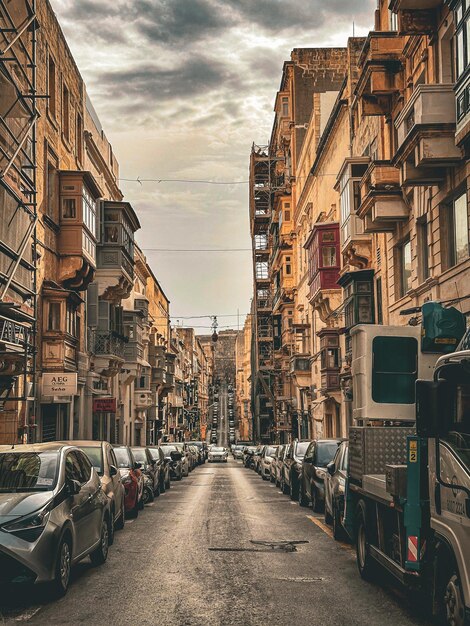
x=18 y=218
x=262 y=188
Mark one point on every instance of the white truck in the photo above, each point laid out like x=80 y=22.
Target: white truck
x=407 y=500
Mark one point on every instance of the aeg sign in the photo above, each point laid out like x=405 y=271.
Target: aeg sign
x=59 y=384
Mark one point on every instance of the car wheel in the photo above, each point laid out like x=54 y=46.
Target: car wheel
x=293 y=490
x=99 y=556
x=119 y=525
x=315 y=502
x=111 y=529
x=162 y=486
x=284 y=487
x=180 y=475
x=158 y=490
x=168 y=483
x=147 y=496
x=63 y=567
x=365 y=563
x=338 y=532
x=134 y=512
x=141 y=502
x=328 y=517
x=302 y=499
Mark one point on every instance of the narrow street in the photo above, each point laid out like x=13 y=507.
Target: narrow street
x=189 y=560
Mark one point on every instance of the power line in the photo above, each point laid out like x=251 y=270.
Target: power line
x=184 y=180
x=196 y=249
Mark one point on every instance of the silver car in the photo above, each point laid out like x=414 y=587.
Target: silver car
x=53 y=513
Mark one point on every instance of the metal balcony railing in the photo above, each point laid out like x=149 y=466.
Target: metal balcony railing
x=106 y=343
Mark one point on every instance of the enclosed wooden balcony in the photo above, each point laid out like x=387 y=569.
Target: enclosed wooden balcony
x=426 y=135
x=382 y=205
x=380 y=76
x=462 y=95
x=115 y=258
x=77 y=238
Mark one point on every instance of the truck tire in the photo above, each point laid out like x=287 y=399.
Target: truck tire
x=451 y=604
x=365 y=563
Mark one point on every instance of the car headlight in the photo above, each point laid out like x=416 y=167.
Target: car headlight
x=30 y=527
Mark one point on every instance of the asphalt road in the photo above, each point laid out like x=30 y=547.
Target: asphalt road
x=189 y=560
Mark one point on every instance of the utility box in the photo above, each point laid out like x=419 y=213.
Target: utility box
x=386 y=362
x=395 y=480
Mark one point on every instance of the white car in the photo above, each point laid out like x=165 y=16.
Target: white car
x=266 y=460
x=217 y=454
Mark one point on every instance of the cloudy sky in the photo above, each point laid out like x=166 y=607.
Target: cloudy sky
x=183 y=88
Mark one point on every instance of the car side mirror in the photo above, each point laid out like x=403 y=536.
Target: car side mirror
x=153 y=462
x=331 y=468
x=113 y=470
x=137 y=466
x=72 y=487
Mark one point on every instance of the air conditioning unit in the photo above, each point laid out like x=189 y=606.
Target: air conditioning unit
x=386 y=362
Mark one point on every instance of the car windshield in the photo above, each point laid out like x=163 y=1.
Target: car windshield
x=198 y=444
x=218 y=450
x=179 y=446
x=326 y=451
x=270 y=451
x=28 y=471
x=122 y=457
x=302 y=449
x=96 y=457
x=167 y=450
x=140 y=456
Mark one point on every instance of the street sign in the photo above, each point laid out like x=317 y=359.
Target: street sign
x=104 y=405
x=59 y=384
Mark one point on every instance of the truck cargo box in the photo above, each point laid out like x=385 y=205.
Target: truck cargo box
x=372 y=448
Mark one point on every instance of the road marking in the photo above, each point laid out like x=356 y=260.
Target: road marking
x=329 y=532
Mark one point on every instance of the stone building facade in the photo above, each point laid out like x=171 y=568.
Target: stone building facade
x=381 y=203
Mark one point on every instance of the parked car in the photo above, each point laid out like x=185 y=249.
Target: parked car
x=316 y=459
x=335 y=480
x=282 y=468
x=186 y=461
x=151 y=472
x=249 y=456
x=174 y=459
x=265 y=461
x=103 y=459
x=218 y=454
x=237 y=451
x=132 y=479
x=42 y=486
x=257 y=458
x=193 y=456
x=202 y=449
x=276 y=464
x=164 y=464
x=292 y=468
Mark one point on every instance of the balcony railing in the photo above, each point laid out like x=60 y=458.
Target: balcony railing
x=107 y=343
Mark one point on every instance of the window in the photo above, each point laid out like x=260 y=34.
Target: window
x=423 y=248
x=65 y=112
x=288 y=266
x=89 y=211
x=404 y=260
x=329 y=256
x=52 y=193
x=79 y=138
x=460 y=229
x=69 y=208
x=51 y=86
x=462 y=37
x=88 y=245
x=71 y=319
x=393 y=19
x=285 y=107
x=53 y=317
x=395 y=369
x=380 y=319
x=73 y=468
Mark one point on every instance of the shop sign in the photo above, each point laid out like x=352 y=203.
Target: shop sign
x=59 y=384
x=104 y=405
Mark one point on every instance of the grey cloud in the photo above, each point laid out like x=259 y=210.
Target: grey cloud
x=152 y=83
